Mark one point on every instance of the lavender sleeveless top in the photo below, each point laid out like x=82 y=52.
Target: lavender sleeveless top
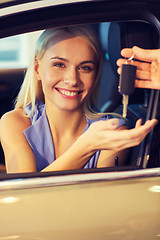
x=40 y=140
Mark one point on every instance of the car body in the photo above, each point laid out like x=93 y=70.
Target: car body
x=106 y=203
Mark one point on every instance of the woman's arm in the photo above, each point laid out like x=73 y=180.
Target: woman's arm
x=18 y=154
x=111 y=158
x=100 y=135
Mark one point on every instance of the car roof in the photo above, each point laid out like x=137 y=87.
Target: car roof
x=42 y=3
x=9 y=3
x=18 y=16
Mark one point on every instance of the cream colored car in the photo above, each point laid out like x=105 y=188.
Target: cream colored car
x=119 y=203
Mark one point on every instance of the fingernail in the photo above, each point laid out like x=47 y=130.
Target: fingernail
x=114 y=122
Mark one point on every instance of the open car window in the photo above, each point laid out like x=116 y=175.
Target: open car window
x=118 y=26
x=15 y=54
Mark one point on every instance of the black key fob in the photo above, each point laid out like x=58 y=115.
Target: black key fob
x=127 y=79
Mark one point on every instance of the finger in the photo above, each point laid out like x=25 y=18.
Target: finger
x=143 y=75
x=144 y=84
x=136 y=135
x=120 y=61
x=140 y=75
x=129 y=138
x=119 y=70
x=127 y=52
x=141 y=54
x=142 y=130
x=140 y=65
x=150 y=124
x=138 y=123
x=147 y=127
x=145 y=54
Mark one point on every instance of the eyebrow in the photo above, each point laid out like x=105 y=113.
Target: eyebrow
x=60 y=58
x=89 y=61
x=66 y=60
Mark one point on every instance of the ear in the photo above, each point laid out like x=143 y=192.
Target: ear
x=37 y=69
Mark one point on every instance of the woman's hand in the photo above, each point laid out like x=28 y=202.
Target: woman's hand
x=104 y=136
x=148 y=66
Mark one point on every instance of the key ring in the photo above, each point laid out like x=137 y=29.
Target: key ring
x=130 y=59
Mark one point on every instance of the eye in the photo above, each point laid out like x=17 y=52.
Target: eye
x=59 y=64
x=86 y=68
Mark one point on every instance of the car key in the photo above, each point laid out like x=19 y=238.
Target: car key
x=126 y=83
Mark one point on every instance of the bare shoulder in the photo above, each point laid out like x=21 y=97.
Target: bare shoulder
x=15 y=119
x=18 y=154
x=13 y=124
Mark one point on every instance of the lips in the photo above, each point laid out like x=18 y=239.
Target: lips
x=68 y=93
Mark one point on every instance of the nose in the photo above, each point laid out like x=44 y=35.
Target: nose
x=71 y=77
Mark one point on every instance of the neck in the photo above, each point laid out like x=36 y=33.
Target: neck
x=65 y=126
x=66 y=122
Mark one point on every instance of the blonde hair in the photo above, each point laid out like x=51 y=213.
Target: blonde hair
x=31 y=89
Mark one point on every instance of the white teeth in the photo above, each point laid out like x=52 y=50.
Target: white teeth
x=67 y=93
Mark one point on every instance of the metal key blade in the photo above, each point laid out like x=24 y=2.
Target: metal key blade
x=125 y=104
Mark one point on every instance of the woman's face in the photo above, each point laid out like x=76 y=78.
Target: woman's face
x=67 y=71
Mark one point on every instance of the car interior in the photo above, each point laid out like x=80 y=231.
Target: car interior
x=114 y=36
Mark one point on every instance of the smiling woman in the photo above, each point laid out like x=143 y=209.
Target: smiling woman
x=53 y=126
x=69 y=69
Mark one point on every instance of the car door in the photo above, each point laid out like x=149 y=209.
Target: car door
x=106 y=203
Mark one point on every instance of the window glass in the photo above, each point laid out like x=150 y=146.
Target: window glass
x=15 y=51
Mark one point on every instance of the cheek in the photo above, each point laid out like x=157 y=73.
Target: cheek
x=46 y=82
x=90 y=83
x=47 y=77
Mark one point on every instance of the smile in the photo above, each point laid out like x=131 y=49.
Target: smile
x=68 y=93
